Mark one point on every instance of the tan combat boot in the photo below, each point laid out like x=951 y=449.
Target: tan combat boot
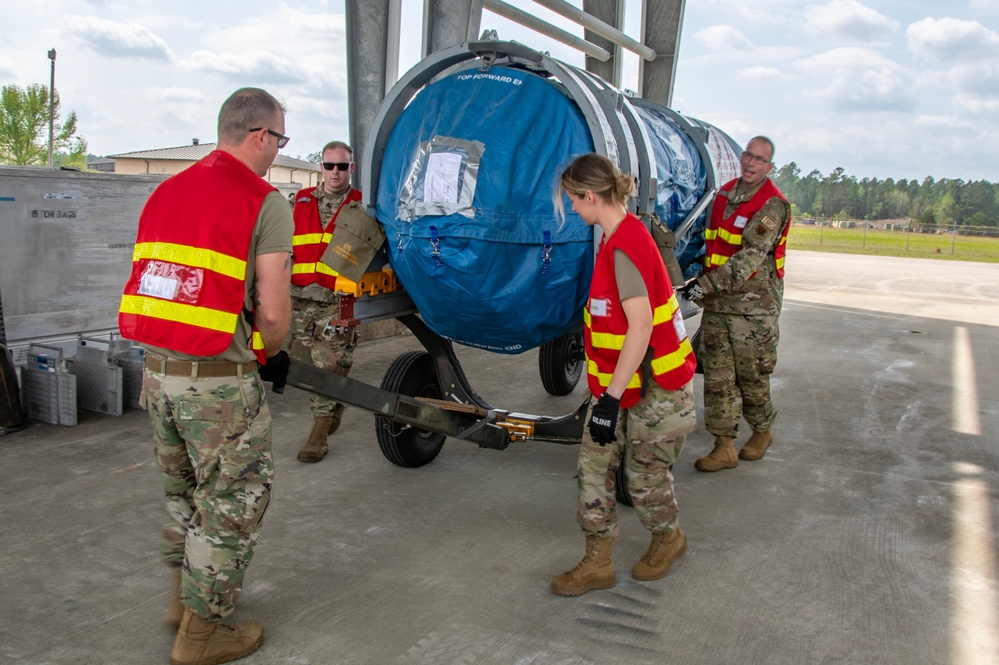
x=175 y=608
x=757 y=446
x=335 y=418
x=595 y=571
x=315 y=447
x=664 y=549
x=722 y=457
x=201 y=642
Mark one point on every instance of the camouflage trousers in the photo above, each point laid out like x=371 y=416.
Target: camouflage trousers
x=312 y=339
x=213 y=449
x=650 y=437
x=738 y=355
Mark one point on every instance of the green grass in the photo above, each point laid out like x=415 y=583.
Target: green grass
x=894 y=243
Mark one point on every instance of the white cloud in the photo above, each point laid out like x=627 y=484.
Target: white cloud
x=849 y=20
x=172 y=94
x=723 y=38
x=979 y=78
x=949 y=39
x=764 y=74
x=7 y=70
x=256 y=67
x=859 y=79
x=303 y=33
x=116 y=39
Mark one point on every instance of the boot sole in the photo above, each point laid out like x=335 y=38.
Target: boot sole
x=752 y=457
x=596 y=585
x=721 y=467
x=651 y=578
x=222 y=658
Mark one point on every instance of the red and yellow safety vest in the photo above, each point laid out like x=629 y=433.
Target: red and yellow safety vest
x=723 y=237
x=188 y=282
x=673 y=359
x=310 y=240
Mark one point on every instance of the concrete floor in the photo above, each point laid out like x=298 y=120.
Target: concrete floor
x=867 y=534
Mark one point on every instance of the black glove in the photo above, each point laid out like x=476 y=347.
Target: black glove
x=603 y=419
x=692 y=291
x=276 y=371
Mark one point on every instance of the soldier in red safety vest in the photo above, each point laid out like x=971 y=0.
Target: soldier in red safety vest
x=316 y=337
x=208 y=300
x=741 y=291
x=639 y=370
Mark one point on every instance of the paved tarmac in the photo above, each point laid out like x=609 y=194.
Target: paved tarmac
x=866 y=535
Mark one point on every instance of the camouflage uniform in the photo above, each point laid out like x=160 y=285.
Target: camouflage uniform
x=739 y=327
x=311 y=338
x=650 y=437
x=213 y=448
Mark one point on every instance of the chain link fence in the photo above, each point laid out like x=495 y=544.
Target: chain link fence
x=896 y=238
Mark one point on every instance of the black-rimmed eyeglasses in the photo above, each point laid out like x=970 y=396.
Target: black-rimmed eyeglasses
x=343 y=166
x=756 y=159
x=282 y=139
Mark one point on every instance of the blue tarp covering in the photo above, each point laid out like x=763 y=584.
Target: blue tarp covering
x=681 y=177
x=478 y=275
x=465 y=196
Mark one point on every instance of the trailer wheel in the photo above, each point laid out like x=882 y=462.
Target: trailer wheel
x=621 y=492
x=695 y=343
x=561 y=363
x=411 y=374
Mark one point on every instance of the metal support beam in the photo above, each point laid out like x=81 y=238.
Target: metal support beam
x=600 y=27
x=612 y=13
x=448 y=23
x=591 y=50
x=372 y=36
x=661 y=24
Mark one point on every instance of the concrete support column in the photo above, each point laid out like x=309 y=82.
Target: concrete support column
x=610 y=12
x=449 y=23
x=372 y=38
x=661 y=24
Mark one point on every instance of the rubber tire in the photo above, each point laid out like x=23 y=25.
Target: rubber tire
x=695 y=343
x=411 y=374
x=621 y=492
x=559 y=364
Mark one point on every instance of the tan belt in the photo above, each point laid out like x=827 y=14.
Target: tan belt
x=198 y=369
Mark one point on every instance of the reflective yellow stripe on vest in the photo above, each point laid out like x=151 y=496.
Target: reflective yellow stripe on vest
x=191 y=256
x=307 y=239
x=203 y=317
x=604 y=379
x=665 y=313
x=256 y=341
x=300 y=268
x=671 y=361
x=326 y=270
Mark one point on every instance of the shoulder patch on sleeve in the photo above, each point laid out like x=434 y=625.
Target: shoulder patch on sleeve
x=769 y=222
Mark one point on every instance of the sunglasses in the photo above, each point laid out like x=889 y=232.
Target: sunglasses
x=282 y=140
x=343 y=166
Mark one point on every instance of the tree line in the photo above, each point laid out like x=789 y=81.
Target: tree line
x=946 y=202
x=24 y=129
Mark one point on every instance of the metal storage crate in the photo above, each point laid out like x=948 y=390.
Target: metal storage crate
x=131 y=359
x=98 y=376
x=49 y=390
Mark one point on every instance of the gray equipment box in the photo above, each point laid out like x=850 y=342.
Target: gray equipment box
x=49 y=390
x=98 y=375
x=131 y=359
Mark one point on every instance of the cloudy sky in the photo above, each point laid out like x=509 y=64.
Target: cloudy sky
x=881 y=88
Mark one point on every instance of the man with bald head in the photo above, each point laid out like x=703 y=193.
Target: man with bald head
x=741 y=291
x=208 y=299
